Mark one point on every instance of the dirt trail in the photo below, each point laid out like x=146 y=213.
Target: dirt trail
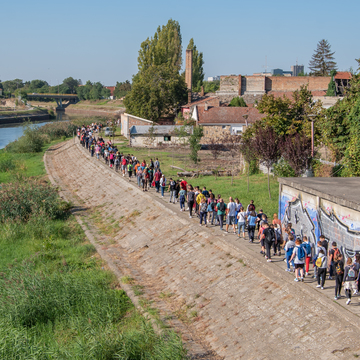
x=212 y=288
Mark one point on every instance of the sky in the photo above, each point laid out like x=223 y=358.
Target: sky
x=100 y=40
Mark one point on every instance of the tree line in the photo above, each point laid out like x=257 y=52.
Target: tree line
x=89 y=91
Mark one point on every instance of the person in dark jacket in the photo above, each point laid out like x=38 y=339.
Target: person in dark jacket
x=338 y=270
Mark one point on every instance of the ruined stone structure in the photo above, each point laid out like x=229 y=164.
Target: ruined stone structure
x=253 y=87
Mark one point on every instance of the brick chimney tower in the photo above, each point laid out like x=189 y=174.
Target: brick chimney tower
x=188 y=69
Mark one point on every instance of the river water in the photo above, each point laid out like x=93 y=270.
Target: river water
x=11 y=132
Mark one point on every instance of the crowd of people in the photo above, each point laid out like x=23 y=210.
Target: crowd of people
x=211 y=209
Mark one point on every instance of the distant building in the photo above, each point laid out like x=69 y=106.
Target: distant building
x=281 y=72
x=162 y=135
x=213 y=78
x=111 y=88
x=297 y=69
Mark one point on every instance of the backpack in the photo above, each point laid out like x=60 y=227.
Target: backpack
x=270 y=235
x=351 y=273
x=319 y=261
x=301 y=253
x=307 y=247
x=212 y=204
x=338 y=269
x=336 y=253
x=222 y=207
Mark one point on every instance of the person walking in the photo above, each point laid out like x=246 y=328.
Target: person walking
x=298 y=256
x=321 y=264
x=182 y=199
x=241 y=221
x=350 y=277
x=339 y=274
x=269 y=238
x=332 y=253
x=289 y=248
x=221 y=210
x=203 y=211
x=130 y=168
x=251 y=225
x=308 y=249
x=162 y=185
x=190 y=199
x=172 y=185
x=231 y=214
x=157 y=178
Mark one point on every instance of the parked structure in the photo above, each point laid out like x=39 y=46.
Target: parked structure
x=156 y=135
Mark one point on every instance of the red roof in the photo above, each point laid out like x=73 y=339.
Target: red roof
x=225 y=115
x=343 y=75
x=199 y=102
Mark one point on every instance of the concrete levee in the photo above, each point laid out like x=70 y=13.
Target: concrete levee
x=241 y=306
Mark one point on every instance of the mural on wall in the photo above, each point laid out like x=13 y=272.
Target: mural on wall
x=308 y=220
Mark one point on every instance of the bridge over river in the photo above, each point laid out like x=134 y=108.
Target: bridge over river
x=214 y=289
x=71 y=98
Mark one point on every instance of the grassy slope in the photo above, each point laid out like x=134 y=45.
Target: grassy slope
x=93 y=319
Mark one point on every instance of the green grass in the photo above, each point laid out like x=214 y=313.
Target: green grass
x=29 y=164
x=258 y=189
x=22 y=112
x=57 y=301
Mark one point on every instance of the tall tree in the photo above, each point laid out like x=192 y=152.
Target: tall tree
x=197 y=66
x=194 y=142
x=266 y=145
x=157 y=88
x=335 y=126
x=71 y=83
x=322 y=61
x=164 y=48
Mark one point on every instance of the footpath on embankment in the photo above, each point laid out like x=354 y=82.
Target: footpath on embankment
x=214 y=289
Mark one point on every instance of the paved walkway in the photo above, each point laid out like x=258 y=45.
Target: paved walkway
x=227 y=298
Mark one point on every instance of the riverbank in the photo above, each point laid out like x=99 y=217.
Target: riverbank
x=59 y=298
x=20 y=116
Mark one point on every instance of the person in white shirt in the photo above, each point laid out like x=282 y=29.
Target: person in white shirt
x=230 y=214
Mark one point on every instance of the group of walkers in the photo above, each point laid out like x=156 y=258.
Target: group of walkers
x=211 y=209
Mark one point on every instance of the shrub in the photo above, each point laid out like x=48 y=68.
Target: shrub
x=283 y=169
x=7 y=164
x=20 y=200
x=31 y=142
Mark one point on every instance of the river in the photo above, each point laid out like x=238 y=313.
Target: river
x=11 y=132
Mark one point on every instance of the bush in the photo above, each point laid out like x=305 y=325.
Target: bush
x=238 y=102
x=7 y=164
x=283 y=169
x=31 y=142
x=20 y=200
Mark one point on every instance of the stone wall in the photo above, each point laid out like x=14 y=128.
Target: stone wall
x=253 y=87
x=313 y=214
x=282 y=83
x=230 y=83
